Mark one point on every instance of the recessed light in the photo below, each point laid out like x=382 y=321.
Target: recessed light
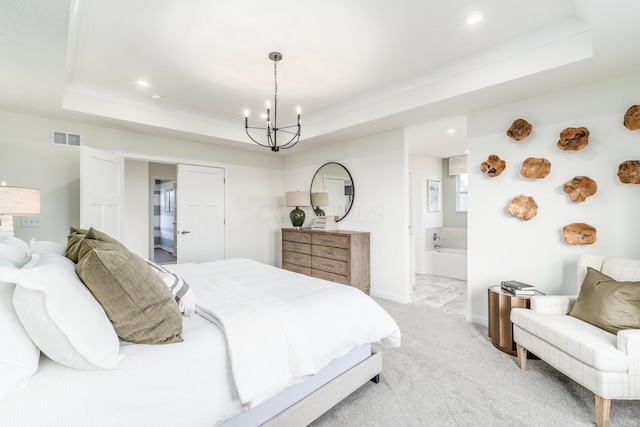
x=143 y=83
x=474 y=18
x=156 y=96
x=451 y=130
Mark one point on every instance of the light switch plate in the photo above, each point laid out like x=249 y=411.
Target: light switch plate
x=31 y=221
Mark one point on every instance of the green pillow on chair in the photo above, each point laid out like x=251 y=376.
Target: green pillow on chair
x=607 y=303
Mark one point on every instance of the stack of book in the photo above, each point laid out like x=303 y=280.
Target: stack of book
x=516 y=288
x=324 y=223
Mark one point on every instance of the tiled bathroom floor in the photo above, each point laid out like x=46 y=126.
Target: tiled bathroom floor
x=442 y=293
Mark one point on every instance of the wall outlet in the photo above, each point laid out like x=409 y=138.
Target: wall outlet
x=31 y=221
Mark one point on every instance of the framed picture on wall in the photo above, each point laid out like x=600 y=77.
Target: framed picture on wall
x=433 y=195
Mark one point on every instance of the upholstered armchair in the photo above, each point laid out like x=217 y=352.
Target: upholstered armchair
x=607 y=362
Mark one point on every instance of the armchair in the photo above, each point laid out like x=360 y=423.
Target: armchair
x=607 y=364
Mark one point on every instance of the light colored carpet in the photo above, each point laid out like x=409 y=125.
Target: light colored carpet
x=447 y=373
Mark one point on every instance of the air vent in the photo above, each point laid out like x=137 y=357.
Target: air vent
x=66 y=138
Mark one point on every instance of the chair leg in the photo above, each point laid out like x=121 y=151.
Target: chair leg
x=603 y=409
x=521 y=352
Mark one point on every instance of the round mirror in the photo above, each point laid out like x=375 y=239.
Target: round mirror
x=332 y=191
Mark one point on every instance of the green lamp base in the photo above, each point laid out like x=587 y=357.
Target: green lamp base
x=297 y=217
x=319 y=211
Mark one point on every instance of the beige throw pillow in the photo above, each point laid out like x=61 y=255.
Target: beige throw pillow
x=607 y=303
x=138 y=303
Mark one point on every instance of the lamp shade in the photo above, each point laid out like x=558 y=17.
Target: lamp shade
x=319 y=199
x=297 y=198
x=19 y=201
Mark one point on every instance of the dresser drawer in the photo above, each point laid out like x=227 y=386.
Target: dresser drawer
x=296 y=258
x=330 y=252
x=302 y=248
x=333 y=240
x=296 y=236
x=329 y=265
x=297 y=268
x=332 y=277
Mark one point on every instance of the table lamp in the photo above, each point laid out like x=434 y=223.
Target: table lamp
x=318 y=200
x=16 y=201
x=297 y=199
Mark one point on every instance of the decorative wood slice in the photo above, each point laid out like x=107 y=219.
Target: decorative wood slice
x=579 y=188
x=632 y=118
x=523 y=207
x=493 y=166
x=534 y=167
x=579 y=233
x=629 y=172
x=573 y=139
x=519 y=130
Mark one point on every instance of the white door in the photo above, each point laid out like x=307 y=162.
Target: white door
x=200 y=213
x=335 y=188
x=102 y=191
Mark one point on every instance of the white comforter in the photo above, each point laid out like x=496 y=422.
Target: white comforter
x=190 y=384
x=281 y=326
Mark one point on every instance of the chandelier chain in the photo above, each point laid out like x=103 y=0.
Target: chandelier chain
x=275 y=93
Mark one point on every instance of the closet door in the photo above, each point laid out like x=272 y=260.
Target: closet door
x=200 y=221
x=102 y=191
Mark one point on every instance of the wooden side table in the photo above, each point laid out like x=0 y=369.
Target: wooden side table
x=500 y=326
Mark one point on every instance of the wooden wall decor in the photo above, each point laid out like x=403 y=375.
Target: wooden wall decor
x=493 y=166
x=523 y=207
x=579 y=233
x=629 y=172
x=579 y=188
x=632 y=118
x=573 y=139
x=519 y=130
x=534 y=167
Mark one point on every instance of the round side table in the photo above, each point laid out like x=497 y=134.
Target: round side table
x=500 y=326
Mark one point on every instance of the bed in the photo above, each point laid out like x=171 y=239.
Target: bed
x=227 y=368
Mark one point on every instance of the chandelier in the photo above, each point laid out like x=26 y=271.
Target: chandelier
x=272 y=130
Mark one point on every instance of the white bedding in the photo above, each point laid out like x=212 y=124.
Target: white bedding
x=190 y=383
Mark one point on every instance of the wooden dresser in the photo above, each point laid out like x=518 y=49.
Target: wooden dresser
x=338 y=256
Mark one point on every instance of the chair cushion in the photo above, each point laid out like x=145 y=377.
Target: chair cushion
x=607 y=303
x=622 y=269
x=581 y=340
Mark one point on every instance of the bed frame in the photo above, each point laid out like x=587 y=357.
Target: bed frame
x=329 y=388
x=326 y=397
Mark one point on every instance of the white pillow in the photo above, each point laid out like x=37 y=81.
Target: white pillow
x=19 y=356
x=45 y=247
x=61 y=316
x=14 y=251
x=180 y=289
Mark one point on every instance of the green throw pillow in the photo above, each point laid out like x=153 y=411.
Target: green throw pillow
x=76 y=235
x=136 y=300
x=94 y=239
x=607 y=303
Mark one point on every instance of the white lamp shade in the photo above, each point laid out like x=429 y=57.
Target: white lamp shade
x=297 y=198
x=320 y=199
x=19 y=201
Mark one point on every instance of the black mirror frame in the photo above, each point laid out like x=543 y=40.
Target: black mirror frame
x=353 y=191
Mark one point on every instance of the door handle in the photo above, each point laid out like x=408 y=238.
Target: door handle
x=185 y=232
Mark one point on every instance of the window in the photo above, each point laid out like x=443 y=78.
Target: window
x=461 y=192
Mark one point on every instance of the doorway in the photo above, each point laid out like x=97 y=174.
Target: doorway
x=164 y=221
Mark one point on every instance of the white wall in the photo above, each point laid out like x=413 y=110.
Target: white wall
x=28 y=159
x=423 y=168
x=379 y=167
x=137 y=225
x=503 y=247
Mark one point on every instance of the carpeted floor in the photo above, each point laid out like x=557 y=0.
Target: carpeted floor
x=447 y=373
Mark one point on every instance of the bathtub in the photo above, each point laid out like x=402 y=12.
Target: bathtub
x=447 y=262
